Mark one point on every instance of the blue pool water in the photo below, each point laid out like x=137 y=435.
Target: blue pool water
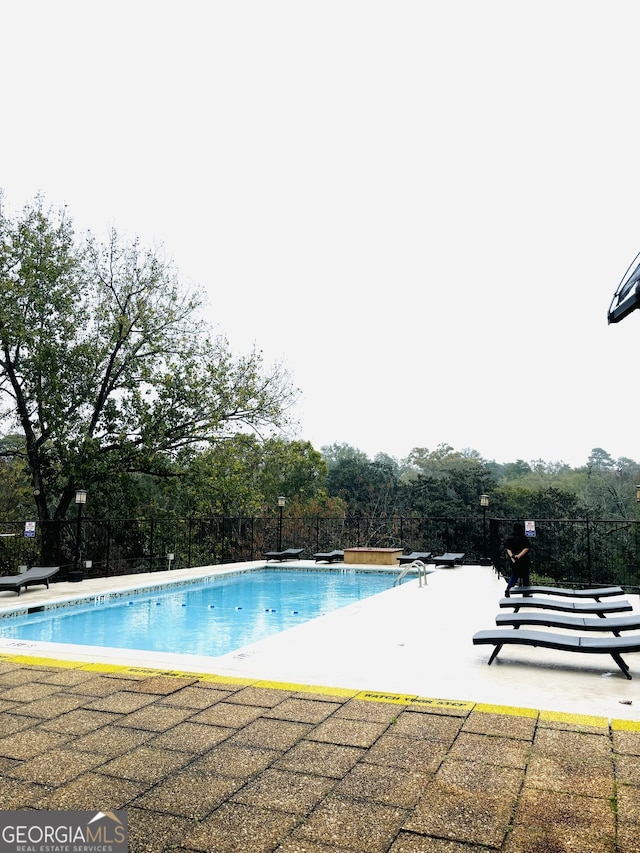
x=212 y=618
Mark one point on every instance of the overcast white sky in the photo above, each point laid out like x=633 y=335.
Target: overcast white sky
x=422 y=208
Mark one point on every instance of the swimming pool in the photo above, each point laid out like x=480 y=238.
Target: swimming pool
x=211 y=618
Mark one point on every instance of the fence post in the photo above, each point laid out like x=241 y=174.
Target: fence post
x=588 y=550
x=494 y=544
x=108 y=547
x=223 y=524
x=151 y=545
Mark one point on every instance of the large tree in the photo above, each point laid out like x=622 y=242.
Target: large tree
x=106 y=365
x=244 y=477
x=366 y=487
x=446 y=481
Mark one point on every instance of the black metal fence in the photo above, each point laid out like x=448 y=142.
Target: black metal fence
x=572 y=551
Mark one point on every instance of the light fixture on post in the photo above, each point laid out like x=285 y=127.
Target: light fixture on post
x=81 y=498
x=485 y=560
x=281 y=502
x=638 y=493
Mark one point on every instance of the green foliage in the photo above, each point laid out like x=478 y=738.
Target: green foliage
x=365 y=487
x=516 y=499
x=337 y=454
x=600 y=460
x=16 y=498
x=515 y=470
x=242 y=476
x=105 y=366
x=445 y=482
x=223 y=479
x=321 y=505
x=291 y=469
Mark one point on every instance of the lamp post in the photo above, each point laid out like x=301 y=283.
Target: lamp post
x=81 y=498
x=485 y=560
x=281 y=502
x=638 y=493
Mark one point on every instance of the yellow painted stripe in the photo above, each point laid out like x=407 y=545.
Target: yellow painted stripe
x=392 y=698
x=625 y=725
x=575 y=719
x=364 y=695
x=38 y=661
x=104 y=667
x=413 y=700
x=505 y=709
x=224 y=679
x=308 y=688
x=447 y=704
x=146 y=672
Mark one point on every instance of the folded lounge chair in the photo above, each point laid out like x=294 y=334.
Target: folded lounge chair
x=576 y=607
x=600 y=592
x=425 y=556
x=615 y=624
x=614 y=646
x=329 y=557
x=33 y=576
x=448 y=559
x=289 y=554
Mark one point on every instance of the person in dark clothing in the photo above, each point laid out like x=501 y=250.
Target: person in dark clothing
x=517 y=546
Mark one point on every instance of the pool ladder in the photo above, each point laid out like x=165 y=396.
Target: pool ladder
x=422 y=572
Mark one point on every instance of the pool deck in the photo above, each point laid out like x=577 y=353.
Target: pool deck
x=376 y=728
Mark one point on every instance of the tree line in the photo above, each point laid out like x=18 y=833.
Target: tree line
x=111 y=383
x=449 y=482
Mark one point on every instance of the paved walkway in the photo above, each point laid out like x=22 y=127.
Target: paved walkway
x=208 y=764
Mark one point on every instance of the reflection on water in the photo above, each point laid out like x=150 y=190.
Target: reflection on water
x=209 y=619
